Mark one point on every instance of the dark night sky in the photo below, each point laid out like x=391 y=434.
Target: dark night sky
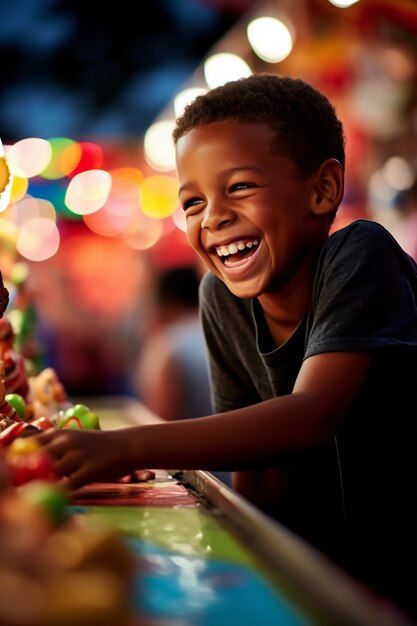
x=83 y=69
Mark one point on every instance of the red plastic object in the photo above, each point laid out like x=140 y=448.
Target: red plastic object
x=11 y=432
x=43 y=423
x=34 y=466
x=18 y=429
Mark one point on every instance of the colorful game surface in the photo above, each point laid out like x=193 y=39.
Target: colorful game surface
x=191 y=569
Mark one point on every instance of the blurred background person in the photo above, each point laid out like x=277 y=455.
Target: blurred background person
x=171 y=374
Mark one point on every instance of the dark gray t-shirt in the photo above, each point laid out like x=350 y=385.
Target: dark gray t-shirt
x=348 y=497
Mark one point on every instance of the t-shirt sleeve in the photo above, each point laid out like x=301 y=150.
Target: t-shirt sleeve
x=365 y=293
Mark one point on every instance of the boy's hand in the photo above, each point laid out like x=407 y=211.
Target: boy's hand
x=138 y=476
x=85 y=456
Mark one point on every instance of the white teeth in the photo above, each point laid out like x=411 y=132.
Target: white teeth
x=234 y=247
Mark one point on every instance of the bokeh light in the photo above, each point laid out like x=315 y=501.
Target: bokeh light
x=90 y=156
x=399 y=173
x=126 y=183
x=185 y=97
x=142 y=232
x=8 y=235
x=19 y=188
x=107 y=223
x=158 y=146
x=178 y=218
x=66 y=155
x=159 y=196
x=88 y=191
x=38 y=239
x=343 y=4
x=28 y=157
x=97 y=271
x=270 y=39
x=30 y=208
x=223 y=67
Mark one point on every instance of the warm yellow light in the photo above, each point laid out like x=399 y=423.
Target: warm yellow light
x=18 y=189
x=158 y=146
x=223 y=67
x=270 y=39
x=343 y=4
x=185 y=97
x=159 y=196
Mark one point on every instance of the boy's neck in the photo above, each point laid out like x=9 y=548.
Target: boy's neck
x=282 y=325
x=285 y=308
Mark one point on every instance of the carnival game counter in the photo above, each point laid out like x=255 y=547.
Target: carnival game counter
x=207 y=557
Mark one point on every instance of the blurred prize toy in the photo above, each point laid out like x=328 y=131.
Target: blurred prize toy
x=7 y=412
x=23 y=317
x=16 y=380
x=27 y=461
x=78 y=417
x=6 y=180
x=59 y=569
x=47 y=394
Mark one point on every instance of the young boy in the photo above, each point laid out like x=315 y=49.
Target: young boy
x=312 y=338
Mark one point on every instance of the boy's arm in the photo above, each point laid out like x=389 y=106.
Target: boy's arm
x=254 y=436
x=323 y=393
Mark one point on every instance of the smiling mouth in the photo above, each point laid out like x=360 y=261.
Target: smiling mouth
x=236 y=251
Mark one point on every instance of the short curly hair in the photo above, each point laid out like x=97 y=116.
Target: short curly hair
x=304 y=122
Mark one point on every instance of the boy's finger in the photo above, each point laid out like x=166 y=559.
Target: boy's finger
x=47 y=435
x=56 y=446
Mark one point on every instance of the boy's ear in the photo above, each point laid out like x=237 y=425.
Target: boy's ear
x=329 y=187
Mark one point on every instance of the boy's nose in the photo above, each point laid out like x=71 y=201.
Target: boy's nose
x=216 y=216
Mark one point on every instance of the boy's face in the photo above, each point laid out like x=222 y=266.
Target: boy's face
x=248 y=217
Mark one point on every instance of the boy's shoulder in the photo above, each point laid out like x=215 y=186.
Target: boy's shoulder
x=367 y=243
x=366 y=235
x=362 y=228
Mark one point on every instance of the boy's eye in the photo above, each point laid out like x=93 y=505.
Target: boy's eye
x=191 y=202
x=238 y=186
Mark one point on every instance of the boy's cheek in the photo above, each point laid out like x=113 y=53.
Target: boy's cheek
x=193 y=237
